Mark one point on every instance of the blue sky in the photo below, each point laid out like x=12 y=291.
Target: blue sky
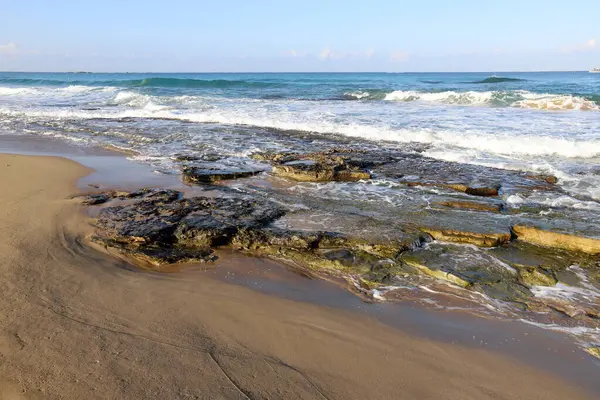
x=307 y=35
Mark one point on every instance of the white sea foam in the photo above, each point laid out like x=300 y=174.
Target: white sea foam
x=358 y=95
x=450 y=97
x=519 y=98
x=72 y=90
x=556 y=102
x=131 y=99
x=521 y=144
x=13 y=91
x=561 y=291
x=322 y=123
x=573 y=330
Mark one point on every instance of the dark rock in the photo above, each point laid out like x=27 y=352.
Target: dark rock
x=276 y=158
x=148 y=194
x=95 y=199
x=202 y=157
x=210 y=175
x=187 y=157
x=164 y=221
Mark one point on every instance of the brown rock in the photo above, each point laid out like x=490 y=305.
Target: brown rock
x=471 y=205
x=320 y=172
x=475 y=238
x=551 y=179
x=459 y=187
x=557 y=240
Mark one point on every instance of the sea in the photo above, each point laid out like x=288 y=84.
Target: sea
x=537 y=122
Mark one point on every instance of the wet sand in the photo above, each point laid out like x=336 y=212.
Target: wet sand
x=76 y=323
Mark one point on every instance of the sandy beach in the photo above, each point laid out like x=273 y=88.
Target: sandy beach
x=76 y=323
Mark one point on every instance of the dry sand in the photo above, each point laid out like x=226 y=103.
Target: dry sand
x=74 y=324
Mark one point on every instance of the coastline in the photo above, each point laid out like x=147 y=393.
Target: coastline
x=140 y=326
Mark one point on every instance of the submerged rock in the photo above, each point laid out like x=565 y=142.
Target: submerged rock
x=437 y=273
x=471 y=205
x=551 y=179
x=482 y=191
x=468 y=268
x=536 y=277
x=593 y=351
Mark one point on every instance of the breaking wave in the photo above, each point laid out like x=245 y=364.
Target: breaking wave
x=507 y=145
x=517 y=98
x=508 y=98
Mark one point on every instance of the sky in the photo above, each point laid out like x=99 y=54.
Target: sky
x=299 y=36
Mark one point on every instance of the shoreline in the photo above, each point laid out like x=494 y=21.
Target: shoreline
x=314 y=293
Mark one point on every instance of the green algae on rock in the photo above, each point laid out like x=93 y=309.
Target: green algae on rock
x=536 y=276
x=593 y=351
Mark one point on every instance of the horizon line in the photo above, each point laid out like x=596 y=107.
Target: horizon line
x=290 y=72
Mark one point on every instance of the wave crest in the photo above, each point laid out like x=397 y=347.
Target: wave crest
x=153 y=82
x=518 y=98
x=196 y=83
x=497 y=79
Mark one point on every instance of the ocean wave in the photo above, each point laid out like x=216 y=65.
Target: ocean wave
x=557 y=102
x=449 y=97
x=12 y=91
x=497 y=79
x=70 y=90
x=197 y=83
x=516 y=98
x=372 y=94
x=443 y=140
x=151 y=82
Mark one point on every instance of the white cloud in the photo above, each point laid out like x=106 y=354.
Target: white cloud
x=591 y=44
x=326 y=54
x=399 y=56
x=8 y=49
x=295 y=53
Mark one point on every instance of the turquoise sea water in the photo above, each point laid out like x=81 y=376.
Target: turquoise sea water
x=544 y=122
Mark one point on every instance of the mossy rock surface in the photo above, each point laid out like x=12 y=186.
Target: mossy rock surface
x=536 y=276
